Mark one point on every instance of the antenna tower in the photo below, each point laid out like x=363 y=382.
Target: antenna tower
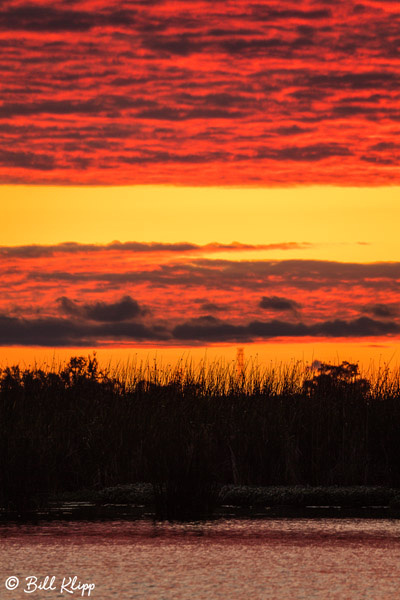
x=239 y=363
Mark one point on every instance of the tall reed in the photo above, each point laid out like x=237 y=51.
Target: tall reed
x=189 y=429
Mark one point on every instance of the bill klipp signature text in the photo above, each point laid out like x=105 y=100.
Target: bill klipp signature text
x=66 y=585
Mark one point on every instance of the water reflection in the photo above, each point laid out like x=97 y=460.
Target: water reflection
x=227 y=559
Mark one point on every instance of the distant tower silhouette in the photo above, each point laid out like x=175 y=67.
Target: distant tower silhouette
x=239 y=363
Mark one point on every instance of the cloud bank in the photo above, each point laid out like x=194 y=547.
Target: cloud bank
x=180 y=294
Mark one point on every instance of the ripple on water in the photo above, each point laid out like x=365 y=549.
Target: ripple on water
x=228 y=559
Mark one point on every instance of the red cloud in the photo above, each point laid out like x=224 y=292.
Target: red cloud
x=127 y=293
x=145 y=92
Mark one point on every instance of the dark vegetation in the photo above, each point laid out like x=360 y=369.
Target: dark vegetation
x=188 y=431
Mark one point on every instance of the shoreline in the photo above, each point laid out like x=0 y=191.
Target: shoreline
x=136 y=501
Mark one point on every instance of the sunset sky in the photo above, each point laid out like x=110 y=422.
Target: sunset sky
x=182 y=175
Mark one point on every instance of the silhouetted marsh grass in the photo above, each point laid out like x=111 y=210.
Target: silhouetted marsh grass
x=191 y=429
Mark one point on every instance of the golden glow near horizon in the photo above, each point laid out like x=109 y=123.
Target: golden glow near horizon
x=345 y=224
x=369 y=356
x=341 y=223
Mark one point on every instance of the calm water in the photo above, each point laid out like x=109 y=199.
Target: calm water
x=227 y=559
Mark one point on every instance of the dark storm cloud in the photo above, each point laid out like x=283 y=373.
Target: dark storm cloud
x=122 y=310
x=210 y=331
x=361 y=327
x=66 y=332
x=222 y=331
x=54 y=332
x=382 y=310
x=278 y=303
x=39 y=332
